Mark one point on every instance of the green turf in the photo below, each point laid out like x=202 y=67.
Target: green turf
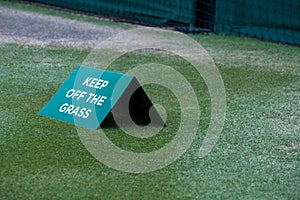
x=257 y=155
x=44 y=158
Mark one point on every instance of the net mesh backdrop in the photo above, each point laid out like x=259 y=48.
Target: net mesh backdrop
x=275 y=20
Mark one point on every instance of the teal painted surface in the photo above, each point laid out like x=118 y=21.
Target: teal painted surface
x=86 y=97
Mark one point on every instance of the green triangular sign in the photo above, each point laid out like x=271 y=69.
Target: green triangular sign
x=88 y=96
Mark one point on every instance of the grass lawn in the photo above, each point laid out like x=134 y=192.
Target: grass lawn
x=256 y=156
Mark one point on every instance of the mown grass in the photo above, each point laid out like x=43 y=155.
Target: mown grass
x=44 y=158
x=257 y=154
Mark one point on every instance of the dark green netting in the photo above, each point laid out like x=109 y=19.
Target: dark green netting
x=276 y=20
x=156 y=12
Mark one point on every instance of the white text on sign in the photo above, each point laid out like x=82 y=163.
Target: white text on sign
x=95 y=83
x=90 y=98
